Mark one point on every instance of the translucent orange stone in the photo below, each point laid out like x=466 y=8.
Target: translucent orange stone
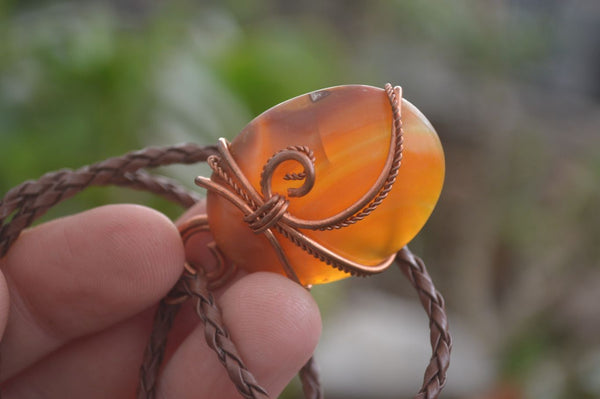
x=349 y=130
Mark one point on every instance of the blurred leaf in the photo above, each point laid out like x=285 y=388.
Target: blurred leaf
x=275 y=62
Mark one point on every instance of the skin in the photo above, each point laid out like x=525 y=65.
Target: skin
x=77 y=298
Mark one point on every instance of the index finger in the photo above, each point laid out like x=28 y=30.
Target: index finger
x=80 y=274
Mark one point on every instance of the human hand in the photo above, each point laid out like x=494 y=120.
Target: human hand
x=77 y=299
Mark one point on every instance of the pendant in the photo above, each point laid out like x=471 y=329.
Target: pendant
x=326 y=185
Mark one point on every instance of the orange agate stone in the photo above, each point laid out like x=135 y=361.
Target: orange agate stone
x=349 y=129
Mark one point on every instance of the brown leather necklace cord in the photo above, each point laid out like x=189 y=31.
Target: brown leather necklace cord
x=195 y=286
x=414 y=269
x=22 y=205
x=32 y=199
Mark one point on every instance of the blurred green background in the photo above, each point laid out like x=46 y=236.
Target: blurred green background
x=512 y=87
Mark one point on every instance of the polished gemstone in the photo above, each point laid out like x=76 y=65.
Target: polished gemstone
x=349 y=130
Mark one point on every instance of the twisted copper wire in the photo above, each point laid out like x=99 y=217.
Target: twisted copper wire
x=292 y=176
x=215 y=164
x=395 y=98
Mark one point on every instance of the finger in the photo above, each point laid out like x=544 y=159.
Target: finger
x=4 y=304
x=275 y=324
x=104 y=365
x=107 y=363
x=82 y=273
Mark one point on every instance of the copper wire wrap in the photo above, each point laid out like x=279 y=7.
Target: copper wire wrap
x=269 y=211
x=22 y=205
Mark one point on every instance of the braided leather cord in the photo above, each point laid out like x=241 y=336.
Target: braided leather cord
x=311 y=383
x=22 y=205
x=433 y=302
x=395 y=102
x=195 y=286
x=32 y=199
x=155 y=350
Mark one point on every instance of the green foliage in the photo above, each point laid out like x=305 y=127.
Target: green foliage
x=72 y=90
x=265 y=72
x=83 y=81
x=527 y=350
